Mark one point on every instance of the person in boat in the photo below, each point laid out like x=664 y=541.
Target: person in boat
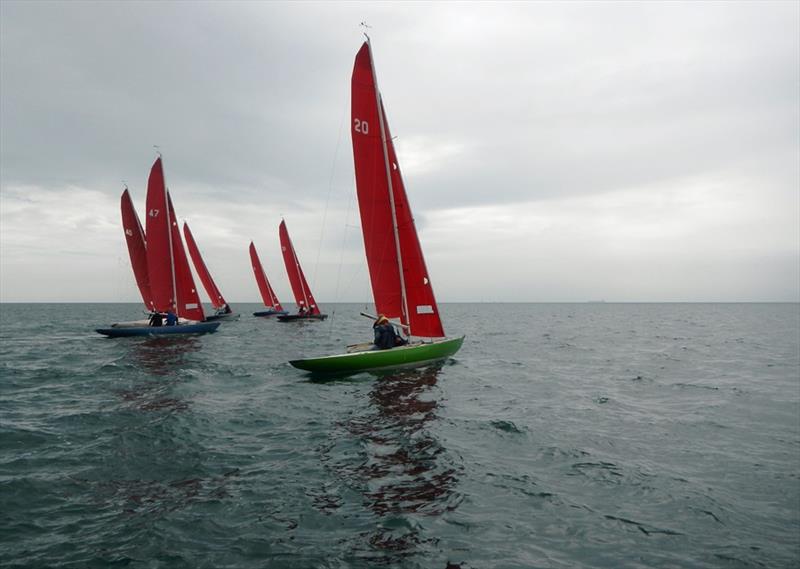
x=385 y=335
x=302 y=311
x=223 y=310
x=172 y=318
x=156 y=319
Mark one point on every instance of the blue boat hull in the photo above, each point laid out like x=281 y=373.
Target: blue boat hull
x=127 y=331
x=270 y=313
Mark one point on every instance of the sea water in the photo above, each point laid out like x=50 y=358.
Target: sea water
x=561 y=435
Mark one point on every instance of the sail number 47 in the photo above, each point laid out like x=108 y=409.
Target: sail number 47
x=361 y=126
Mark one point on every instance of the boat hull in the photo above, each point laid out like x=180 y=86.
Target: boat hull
x=132 y=324
x=270 y=313
x=222 y=317
x=121 y=332
x=408 y=356
x=296 y=317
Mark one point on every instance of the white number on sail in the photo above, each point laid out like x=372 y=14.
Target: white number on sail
x=361 y=126
x=153 y=213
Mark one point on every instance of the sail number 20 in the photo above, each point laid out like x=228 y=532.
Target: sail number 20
x=361 y=126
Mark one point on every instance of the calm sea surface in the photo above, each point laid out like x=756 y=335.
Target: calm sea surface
x=561 y=435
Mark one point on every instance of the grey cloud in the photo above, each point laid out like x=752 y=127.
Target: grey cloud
x=509 y=104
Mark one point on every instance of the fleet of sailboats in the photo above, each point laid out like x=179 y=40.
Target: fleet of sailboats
x=400 y=282
x=164 y=270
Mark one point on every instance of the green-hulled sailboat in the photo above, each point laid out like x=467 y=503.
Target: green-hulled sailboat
x=401 y=287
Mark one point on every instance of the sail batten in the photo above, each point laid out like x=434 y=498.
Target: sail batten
x=300 y=289
x=390 y=236
x=267 y=294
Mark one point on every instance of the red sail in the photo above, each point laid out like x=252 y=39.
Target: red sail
x=188 y=299
x=205 y=276
x=137 y=247
x=267 y=294
x=159 y=257
x=302 y=294
x=170 y=275
x=373 y=177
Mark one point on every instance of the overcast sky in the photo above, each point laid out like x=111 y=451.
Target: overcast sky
x=551 y=152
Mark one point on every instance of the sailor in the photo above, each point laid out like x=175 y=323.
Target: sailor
x=156 y=319
x=172 y=318
x=385 y=336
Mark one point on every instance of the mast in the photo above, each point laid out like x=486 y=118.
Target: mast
x=378 y=101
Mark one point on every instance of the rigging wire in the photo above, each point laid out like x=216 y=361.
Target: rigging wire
x=328 y=198
x=327 y=203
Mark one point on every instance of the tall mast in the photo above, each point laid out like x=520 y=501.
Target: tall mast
x=385 y=147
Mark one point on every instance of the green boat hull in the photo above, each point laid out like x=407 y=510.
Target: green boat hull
x=414 y=355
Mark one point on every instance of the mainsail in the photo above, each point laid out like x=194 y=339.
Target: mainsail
x=171 y=280
x=137 y=247
x=302 y=294
x=159 y=254
x=401 y=286
x=267 y=294
x=217 y=301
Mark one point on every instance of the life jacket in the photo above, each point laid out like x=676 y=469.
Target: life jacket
x=385 y=336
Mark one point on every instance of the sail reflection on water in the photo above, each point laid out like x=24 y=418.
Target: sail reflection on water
x=408 y=470
x=403 y=471
x=162 y=355
x=158 y=361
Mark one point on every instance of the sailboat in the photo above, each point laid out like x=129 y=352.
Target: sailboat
x=307 y=306
x=223 y=310
x=401 y=287
x=171 y=287
x=271 y=301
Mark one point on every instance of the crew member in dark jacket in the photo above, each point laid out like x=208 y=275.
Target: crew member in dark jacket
x=385 y=335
